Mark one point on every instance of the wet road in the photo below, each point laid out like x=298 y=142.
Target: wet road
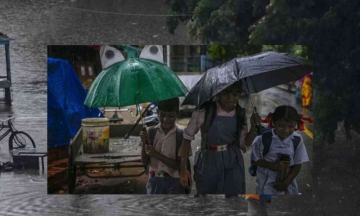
x=87 y=21
x=25 y=194
x=34 y=24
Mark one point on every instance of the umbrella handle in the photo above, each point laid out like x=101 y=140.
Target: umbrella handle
x=147 y=142
x=259 y=130
x=255 y=110
x=137 y=122
x=258 y=125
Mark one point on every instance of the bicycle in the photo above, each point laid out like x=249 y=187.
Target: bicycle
x=18 y=139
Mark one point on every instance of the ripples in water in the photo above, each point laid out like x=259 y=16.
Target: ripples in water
x=34 y=24
x=25 y=194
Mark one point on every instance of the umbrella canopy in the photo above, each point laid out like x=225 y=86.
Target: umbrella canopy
x=134 y=81
x=258 y=72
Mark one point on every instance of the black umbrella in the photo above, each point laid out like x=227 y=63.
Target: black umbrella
x=258 y=72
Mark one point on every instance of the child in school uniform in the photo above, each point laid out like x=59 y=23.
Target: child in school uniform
x=220 y=166
x=285 y=120
x=160 y=151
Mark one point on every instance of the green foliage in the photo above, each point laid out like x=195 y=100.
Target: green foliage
x=225 y=53
x=184 y=8
x=303 y=51
x=330 y=26
x=172 y=22
x=214 y=21
x=217 y=52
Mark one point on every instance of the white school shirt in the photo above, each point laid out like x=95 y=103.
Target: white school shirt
x=165 y=144
x=266 y=178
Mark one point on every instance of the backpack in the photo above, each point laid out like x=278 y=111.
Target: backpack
x=266 y=140
x=179 y=139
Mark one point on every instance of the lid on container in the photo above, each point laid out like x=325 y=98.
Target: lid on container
x=94 y=121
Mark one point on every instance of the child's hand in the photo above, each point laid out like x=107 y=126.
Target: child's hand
x=281 y=186
x=255 y=119
x=280 y=165
x=189 y=175
x=143 y=136
x=185 y=178
x=150 y=150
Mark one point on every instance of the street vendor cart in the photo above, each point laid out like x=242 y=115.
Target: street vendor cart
x=121 y=153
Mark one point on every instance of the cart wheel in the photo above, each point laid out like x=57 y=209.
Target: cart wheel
x=19 y=139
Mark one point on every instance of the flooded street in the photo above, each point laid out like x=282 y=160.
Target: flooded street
x=86 y=21
x=35 y=23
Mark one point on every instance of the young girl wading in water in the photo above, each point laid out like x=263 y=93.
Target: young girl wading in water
x=220 y=166
x=273 y=175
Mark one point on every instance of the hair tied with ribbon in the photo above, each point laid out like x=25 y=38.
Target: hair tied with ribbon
x=268 y=120
x=301 y=123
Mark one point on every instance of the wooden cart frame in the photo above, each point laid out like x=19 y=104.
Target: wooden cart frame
x=113 y=160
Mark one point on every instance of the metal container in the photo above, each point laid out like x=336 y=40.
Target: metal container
x=95 y=135
x=282 y=174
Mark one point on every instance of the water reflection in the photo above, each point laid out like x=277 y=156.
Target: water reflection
x=21 y=200
x=27 y=196
x=34 y=24
x=5 y=110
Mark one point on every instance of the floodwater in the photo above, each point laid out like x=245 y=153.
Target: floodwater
x=35 y=23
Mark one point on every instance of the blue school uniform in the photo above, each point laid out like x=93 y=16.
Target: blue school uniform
x=221 y=172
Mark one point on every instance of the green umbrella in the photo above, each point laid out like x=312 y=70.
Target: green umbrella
x=134 y=81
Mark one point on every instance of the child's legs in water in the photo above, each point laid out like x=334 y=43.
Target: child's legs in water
x=206 y=177
x=233 y=182
x=155 y=185
x=173 y=186
x=269 y=189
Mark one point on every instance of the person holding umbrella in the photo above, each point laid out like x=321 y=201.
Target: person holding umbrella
x=219 y=168
x=162 y=151
x=132 y=81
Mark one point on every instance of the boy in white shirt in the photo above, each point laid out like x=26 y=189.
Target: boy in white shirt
x=161 y=153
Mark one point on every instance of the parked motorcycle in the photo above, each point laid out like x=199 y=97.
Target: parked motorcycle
x=151 y=116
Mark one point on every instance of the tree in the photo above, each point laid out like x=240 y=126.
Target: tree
x=225 y=53
x=331 y=26
x=184 y=8
x=217 y=21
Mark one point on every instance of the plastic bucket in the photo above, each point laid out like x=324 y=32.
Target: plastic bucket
x=95 y=135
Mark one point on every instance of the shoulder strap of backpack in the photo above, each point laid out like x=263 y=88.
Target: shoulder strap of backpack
x=296 y=142
x=240 y=114
x=267 y=138
x=266 y=141
x=210 y=114
x=179 y=139
x=152 y=134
